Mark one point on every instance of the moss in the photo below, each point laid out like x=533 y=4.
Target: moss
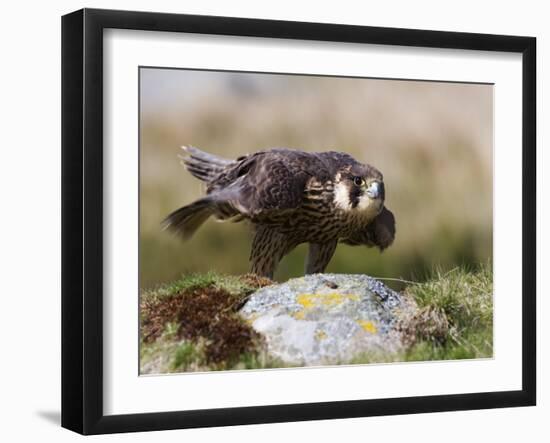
x=200 y=309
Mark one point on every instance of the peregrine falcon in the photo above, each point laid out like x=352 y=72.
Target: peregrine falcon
x=290 y=197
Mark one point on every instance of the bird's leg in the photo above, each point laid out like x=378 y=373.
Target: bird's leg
x=268 y=248
x=319 y=256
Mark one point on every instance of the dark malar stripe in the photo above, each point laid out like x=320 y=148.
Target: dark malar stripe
x=354 y=195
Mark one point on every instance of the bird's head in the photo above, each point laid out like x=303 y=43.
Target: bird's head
x=359 y=188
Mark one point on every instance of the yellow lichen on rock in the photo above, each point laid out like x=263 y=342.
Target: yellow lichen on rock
x=329 y=299
x=250 y=320
x=321 y=335
x=306 y=300
x=368 y=326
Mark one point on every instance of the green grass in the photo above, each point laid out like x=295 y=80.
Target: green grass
x=453 y=319
x=465 y=298
x=235 y=285
x=186 y=354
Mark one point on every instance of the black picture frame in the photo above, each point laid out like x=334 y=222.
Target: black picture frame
x=82 y=219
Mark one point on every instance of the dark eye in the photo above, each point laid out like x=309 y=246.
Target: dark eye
x=358 y=181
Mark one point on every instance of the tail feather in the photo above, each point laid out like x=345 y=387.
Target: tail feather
x=186 y=220
x=203 y=165
x=205 y=156
x=200 y=172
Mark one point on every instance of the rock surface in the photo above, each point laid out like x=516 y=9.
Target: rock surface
x=326 y=318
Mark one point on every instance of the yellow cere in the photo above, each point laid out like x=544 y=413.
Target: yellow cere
x=330 y=299
x=368 y=326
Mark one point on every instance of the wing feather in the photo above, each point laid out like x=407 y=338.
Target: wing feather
x=267 y=182
x=378 y=233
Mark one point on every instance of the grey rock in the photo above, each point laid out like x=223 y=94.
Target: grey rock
x=326 y=318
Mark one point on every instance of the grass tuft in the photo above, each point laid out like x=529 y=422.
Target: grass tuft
x=184 y=356
x=455 y=319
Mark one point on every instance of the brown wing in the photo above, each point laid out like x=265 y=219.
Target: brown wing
x=266 y=182
x=380 y=232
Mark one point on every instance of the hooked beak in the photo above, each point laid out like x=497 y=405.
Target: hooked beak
x=375 y=190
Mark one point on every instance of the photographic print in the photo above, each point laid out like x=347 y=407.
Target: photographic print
x=297 y=218
x=300 y=220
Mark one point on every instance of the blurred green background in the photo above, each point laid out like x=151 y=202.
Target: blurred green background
x=431 y=140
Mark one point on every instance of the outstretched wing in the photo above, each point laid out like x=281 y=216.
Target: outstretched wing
x=378 y=233
x=263 y=187
x=266 y=183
